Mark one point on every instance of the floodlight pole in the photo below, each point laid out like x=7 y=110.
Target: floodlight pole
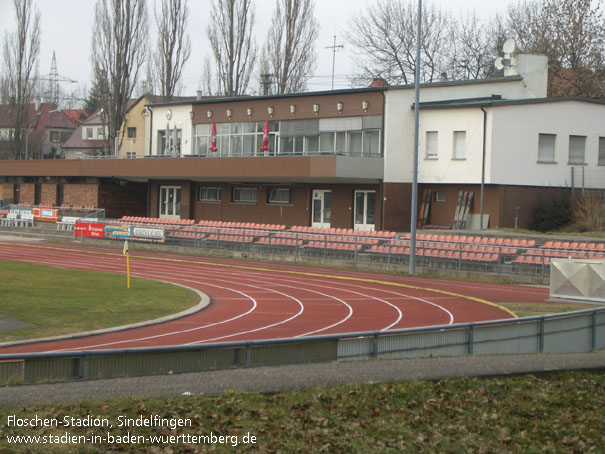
x=414 y=208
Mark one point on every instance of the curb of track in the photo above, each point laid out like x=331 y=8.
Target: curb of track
x=203 y=303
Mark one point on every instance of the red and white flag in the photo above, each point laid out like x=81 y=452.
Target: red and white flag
x=265 y=146
x=213 y=138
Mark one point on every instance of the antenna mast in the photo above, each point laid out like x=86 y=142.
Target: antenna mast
x=334 y=48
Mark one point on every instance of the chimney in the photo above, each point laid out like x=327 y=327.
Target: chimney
x=379 y=82
x=443 y=77
x=37 y=102
x=198 y=94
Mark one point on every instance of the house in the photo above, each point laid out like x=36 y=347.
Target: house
x=46 y=129
x=89 y=140
x=344 y=158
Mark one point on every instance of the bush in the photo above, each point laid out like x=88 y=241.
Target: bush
x=552 y=215
x=588 y=212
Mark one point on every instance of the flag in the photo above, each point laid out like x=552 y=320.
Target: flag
x=125 y=250
x=213 y=139
x=265 y=146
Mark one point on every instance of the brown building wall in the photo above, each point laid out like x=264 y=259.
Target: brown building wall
x=81 y=195
x=7 y=192
x=27 y=193
x=526 y=197
x=123 y=200
x=48 y=194
x=396 y=206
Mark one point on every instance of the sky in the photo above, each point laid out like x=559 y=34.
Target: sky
x=66 y=30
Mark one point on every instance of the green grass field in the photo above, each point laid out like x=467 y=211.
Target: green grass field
x=62 y=301
x=558 y=413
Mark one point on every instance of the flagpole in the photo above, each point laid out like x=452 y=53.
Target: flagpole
x=125 y=252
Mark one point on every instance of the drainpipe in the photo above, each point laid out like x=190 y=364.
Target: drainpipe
x=483 y=165
x=384 y=102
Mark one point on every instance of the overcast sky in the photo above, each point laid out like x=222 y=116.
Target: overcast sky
x=66 y=30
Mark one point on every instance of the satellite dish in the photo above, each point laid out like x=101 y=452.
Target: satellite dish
x=509 y=46
x=498 y=64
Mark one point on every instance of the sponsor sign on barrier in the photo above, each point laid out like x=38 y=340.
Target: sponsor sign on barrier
x=149 y=234
x=118 y=232
x=46 y=214
x=89 y=229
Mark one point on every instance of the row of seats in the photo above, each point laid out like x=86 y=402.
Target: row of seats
x=241 y=225
x=573 y=246
x=490 y=257
x=469 y=239
x=337 y=231
x=161 y=221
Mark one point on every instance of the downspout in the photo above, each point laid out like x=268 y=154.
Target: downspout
x=483 y=166
x=382 y=135
x=150 y=153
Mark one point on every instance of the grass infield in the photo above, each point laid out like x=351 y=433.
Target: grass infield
x=61 y=301
x=556 y=413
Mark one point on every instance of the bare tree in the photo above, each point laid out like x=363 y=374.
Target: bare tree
x=209 y=85
x=289 y=50
x=173 y=47
x=118 y=53
x=385 y=35
x=21 y=49
x=230 y=36
x=572 y=34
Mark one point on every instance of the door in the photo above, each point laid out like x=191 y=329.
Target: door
x=170 y=202
x=322 y=208
x=365 y=210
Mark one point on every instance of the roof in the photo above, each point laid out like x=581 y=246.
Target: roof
x=33 y=115
x=76 y=141
x=77 y=115
x=497 y=101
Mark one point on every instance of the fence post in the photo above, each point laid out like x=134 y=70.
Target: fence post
x=593 y=331
x=375 y=346
x=85 y=367
x=541 y=335
x=471 y=339
x=248 y=359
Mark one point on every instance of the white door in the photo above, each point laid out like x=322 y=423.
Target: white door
x=365 y=210
x=170 y=202
x=322 y=208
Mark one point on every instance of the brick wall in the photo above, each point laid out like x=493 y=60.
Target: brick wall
x=7 y=192
x=27 y=193
x=82 y=195
x=48 y=194
x=127 y=200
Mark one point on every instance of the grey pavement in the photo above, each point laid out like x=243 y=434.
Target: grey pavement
x=291 y=377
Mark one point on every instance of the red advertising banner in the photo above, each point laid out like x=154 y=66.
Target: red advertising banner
x=89 y=229
x=46 y=214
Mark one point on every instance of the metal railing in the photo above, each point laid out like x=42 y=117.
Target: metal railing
x=582 y=331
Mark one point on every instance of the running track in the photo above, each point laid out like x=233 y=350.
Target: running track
x=257 y=300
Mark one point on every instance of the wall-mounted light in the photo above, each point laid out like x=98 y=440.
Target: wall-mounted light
x=249 y=111
x=209 y=114
x=365 y=105
x=339 y=107
x=292 y=109
x=229 y=113
x=270 y=111
x=316 y=108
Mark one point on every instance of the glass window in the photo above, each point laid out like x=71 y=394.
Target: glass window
x=208 y=194
x=249 y=145
x=286 y=145
x=341 y=142
x=201 y=145
x=459 y=145
x=243 y=195
x=132 y=133
x=601 y=161
x=577 y=149
x=431 y=145
x=89 y=133
x=326 y=142
x=355 y=142
x=371 y=143
x=311 y=144
x=249 y=127
x=279 y=195
x=236 y=146
x=546 y=147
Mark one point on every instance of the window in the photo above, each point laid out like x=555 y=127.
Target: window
x=243 y=195
x=431 y=144
x=279 y=195
x=131 y=154
x=440 y=196
x=172 y=146
x=601 y=161
x=89 y=133
x=371 y=143
x=100 y=133
x=459 y=145
x=207 y=194
x=546 y=148
x=132 y=133
x=577 y=149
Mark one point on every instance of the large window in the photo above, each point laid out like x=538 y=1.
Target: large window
x=546 y=148
x=431 y=144
x=244 y=195
x=209 y=194
x=171 y=145
x=601 y=161
x=577 y=149
x=279 y=196
x=459 y=145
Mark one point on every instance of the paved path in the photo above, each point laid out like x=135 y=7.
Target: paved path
x=282 y=378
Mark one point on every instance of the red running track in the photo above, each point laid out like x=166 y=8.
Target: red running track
x=258 y=300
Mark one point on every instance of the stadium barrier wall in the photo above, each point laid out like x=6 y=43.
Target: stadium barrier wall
x=582 y=331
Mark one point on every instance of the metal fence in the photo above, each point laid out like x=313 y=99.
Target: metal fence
x=581 y=331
